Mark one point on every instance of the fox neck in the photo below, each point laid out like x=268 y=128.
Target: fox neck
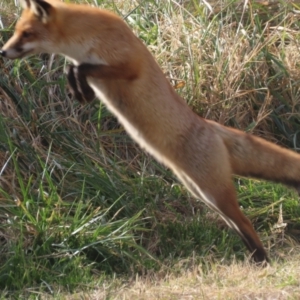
x=78 y=50
x=70 y=40
x=77 y=55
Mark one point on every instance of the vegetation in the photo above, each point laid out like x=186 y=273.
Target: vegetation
x=81 y=204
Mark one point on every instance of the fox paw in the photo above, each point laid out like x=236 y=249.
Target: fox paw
x=78 y=84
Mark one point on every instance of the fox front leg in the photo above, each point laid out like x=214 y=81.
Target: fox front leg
x=107 y=72
x=78 y=85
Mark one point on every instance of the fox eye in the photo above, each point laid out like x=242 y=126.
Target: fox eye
x=26 y=34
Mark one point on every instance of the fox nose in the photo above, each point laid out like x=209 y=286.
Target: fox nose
x=3 y=53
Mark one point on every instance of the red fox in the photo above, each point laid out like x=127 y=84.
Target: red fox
x=110 y=61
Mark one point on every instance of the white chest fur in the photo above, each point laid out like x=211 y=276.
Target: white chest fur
x=134 y=132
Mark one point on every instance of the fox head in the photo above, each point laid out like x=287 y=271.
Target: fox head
x=81 y=33
x=31 y=34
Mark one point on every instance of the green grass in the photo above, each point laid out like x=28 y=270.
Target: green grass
x=80 y=203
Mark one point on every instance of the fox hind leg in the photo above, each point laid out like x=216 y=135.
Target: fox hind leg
x=230 y=211
x=224 y=201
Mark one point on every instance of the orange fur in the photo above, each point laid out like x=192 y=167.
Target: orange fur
x=124 y=75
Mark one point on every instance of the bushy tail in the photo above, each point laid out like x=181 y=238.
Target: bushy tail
x=252 y=156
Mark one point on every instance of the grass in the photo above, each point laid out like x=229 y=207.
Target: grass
x=81 y=206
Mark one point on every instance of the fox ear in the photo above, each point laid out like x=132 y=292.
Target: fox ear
x=40 y=8
x=25 y=4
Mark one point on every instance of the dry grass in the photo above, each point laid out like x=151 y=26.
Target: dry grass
x=234 y=281
x=236 y=64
